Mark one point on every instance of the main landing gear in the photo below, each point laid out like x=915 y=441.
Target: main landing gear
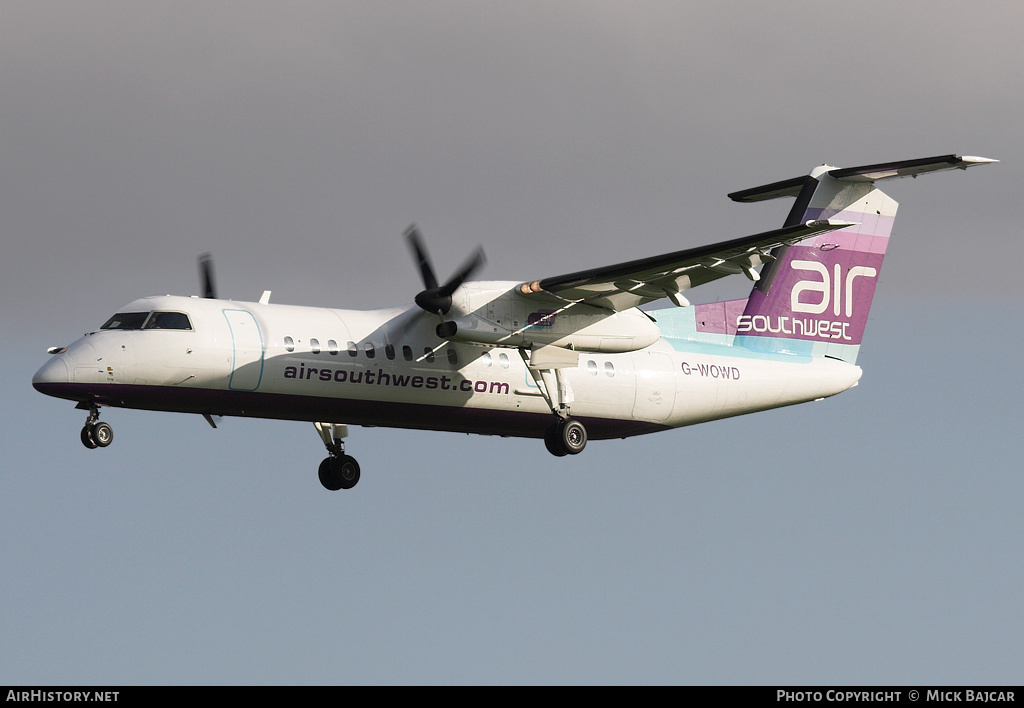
x=94 y=433
x=338 y=471
x=566 y=436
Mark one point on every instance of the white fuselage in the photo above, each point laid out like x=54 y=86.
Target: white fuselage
x=389 y=368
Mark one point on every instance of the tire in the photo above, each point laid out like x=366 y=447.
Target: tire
x=348 y=471
x=87 y=438
x=330 y=474
x=553 y=441
x=339 y=473
x=102 y=434
x=573 y=436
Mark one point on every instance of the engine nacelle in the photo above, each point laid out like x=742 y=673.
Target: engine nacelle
x=593 y=330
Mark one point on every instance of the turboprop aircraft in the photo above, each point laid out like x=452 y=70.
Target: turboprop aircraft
x=565 y=358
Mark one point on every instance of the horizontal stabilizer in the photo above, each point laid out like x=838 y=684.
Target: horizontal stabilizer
x=907 y=168
x=864 y=173
x=785 y=188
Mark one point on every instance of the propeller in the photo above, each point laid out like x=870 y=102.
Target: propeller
x=437 y=299
x=206 y=276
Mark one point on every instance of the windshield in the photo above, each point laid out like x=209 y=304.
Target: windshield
x=168 y=320
x=126 y=320
x=148 y=320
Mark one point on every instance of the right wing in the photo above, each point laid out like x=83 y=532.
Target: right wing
x=627 y=285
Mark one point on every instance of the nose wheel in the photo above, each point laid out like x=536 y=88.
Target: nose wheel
x=338 y=471
x=95 y=433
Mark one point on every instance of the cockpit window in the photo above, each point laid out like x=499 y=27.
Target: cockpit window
x=168 y=320
x=126 y=320
x=148 y=320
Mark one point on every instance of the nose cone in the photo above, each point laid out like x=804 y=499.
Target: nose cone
x=53 y=377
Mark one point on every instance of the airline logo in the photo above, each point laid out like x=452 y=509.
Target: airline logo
x=829 y=287
x=824 y=302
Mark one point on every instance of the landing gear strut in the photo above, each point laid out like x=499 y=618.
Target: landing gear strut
x=566 y=436
x=94 y=433
x=339 y=471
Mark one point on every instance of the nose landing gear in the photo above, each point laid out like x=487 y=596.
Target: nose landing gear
x=339 y=471
x=94 y=433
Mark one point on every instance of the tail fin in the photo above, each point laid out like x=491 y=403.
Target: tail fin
x=815 y=296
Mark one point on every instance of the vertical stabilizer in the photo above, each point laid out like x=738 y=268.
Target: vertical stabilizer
x=815 y=297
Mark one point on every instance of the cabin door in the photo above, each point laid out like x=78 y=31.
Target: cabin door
x=655 y=386
x=247 y=351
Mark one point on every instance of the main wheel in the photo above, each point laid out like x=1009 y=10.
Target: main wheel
x=553 y=441
x=573 y=436
x=87 y=438
x=102 y=434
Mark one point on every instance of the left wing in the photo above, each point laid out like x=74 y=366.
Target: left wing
x=626 y=285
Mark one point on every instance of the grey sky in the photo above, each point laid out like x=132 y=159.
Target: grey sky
x=868 y=538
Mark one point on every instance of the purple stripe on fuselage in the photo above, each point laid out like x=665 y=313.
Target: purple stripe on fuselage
x=351 y=411
x=718 y=317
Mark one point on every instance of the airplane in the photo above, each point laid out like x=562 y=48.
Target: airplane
x=567 y=359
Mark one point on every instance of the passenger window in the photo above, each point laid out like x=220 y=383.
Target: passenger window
x=453 y=357
x=407 y=352
x=168 y=320
x=353 y=350
x=592 y=367
x=486 y=358
x=289 y=344
x=389 y=351
x=428 y=354
x=370 y=351
x=609 y=368
x=503 y=360
x=314 y=345
x=332 y=347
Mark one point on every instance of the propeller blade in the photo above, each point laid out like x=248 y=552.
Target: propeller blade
x=437 y=299
x=471 y=265
x=399 y=327
x=206 y=276
x=412 y=235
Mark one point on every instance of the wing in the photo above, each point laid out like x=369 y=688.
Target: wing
x=625 y=285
